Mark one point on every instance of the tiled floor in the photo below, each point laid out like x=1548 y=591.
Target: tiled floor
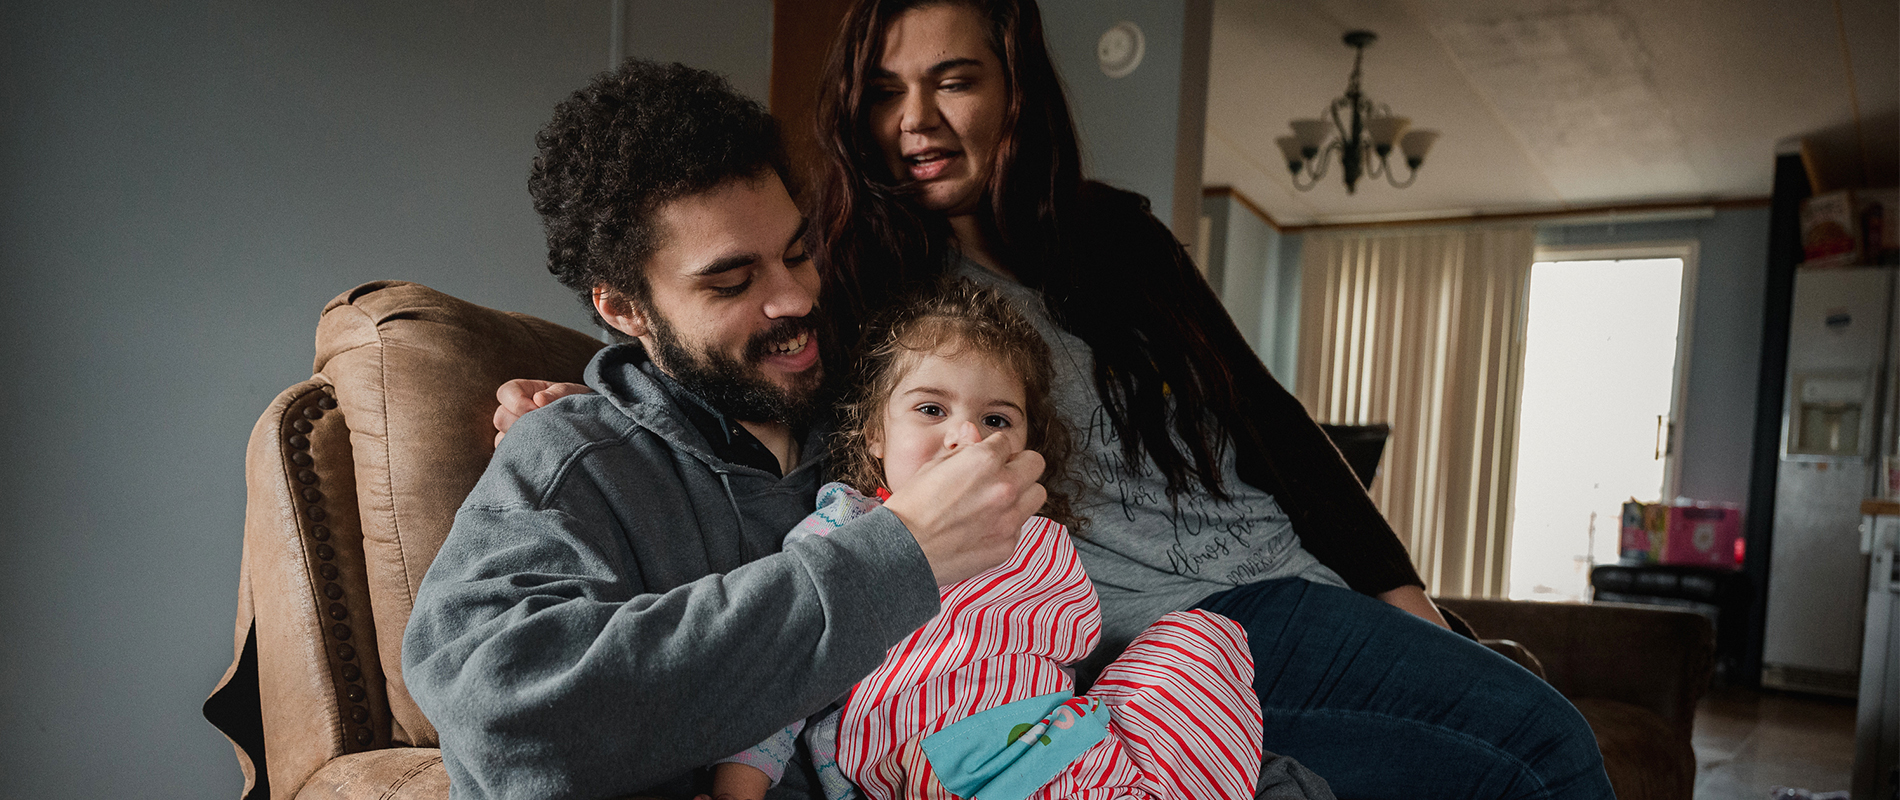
x=1748 y=742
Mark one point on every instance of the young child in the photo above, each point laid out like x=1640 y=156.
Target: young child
x=976 y=703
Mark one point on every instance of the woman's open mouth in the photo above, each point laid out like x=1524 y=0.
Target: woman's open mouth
x=929 y=163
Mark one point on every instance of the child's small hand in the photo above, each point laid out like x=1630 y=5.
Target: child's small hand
x=522 y=395
x=735 y=781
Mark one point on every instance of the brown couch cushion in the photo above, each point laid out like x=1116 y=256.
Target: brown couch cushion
x=415 y=373
x=1642 y=755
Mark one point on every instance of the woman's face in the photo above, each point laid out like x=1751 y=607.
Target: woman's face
x=936 y=104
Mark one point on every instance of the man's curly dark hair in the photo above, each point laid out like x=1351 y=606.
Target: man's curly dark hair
x=633 y=139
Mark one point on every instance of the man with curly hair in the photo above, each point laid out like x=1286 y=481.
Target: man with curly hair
x=618 y=566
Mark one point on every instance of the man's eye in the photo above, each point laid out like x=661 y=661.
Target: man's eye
x=996 y=421
x=878 y=95
x=956 y=86
x=734 y=290
x=798 y=258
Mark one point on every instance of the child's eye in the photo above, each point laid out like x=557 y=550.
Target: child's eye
x=931 y=410
x=996 y=421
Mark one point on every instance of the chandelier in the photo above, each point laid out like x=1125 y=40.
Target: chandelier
x=1365 y=133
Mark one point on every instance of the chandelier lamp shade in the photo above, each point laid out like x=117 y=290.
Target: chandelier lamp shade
x=1360 y=131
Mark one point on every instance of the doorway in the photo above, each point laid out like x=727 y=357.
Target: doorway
x=1603 y=360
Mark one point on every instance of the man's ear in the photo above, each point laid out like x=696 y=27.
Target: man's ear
x=619 y=312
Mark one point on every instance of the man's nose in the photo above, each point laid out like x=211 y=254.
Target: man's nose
x=787 y=295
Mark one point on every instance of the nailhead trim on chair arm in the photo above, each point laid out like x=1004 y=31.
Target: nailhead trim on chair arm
x=332 y=602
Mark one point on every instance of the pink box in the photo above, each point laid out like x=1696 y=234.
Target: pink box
x=1703 y=534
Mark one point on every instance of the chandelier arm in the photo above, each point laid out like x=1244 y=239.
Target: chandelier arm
x=1314 y=169
x=1376 y=166
x=1323 y=159
x=1390 y=177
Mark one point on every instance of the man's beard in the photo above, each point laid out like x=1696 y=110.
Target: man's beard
x=737 y=389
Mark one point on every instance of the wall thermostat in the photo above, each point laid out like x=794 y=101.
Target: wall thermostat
x=1120 y=49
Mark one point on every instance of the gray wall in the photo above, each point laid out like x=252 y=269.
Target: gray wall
x=1716 y=438
x=1256 y=270
x=1128 y=124
x=182 y=186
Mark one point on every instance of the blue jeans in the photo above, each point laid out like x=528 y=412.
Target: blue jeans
x=1383 y=704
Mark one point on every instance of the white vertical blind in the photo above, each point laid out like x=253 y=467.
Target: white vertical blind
x=1424 y=331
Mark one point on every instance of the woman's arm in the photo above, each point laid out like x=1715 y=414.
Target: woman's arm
x=1413 y=599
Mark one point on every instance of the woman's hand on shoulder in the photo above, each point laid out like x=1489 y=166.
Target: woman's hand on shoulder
x=522 y=395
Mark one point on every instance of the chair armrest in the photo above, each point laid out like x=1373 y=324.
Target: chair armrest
x=1518 y=653
x=395 y=773
x=1655 y=658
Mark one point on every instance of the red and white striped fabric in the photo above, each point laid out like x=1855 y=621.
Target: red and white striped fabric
x=1185 y=720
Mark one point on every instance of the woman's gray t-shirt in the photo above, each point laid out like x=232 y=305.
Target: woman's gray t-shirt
x=1146 y=555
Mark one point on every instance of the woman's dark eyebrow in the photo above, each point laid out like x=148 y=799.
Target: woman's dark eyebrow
x=935 y=69
x=951 y=63
x=804 y=223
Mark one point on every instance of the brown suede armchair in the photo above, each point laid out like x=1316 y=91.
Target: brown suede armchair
x=354 y=477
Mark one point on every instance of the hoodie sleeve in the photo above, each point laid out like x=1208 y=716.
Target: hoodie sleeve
x=552 y=667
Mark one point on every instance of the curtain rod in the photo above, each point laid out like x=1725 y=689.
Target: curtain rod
x=1632 y=213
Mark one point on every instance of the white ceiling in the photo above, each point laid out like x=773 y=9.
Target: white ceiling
x=1555 y=104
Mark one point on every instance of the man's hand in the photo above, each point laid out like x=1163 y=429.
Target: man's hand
x=967 y=506
x=523 y=395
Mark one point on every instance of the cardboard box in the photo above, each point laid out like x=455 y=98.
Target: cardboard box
x=1642 y=536
x=1704 y=535
x=1830 y=230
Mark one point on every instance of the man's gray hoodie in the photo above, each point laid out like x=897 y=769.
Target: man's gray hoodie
x=612 y=608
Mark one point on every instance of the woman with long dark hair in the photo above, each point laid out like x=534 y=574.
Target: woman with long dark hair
x=949 y=148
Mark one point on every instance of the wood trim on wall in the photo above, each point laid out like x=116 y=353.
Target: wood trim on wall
x=802 y=31
x=1190 y=125
x=1628 y=208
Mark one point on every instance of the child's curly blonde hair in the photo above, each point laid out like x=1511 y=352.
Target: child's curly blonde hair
x=957 y=316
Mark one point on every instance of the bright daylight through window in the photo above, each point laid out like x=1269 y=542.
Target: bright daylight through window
x=1600 y=367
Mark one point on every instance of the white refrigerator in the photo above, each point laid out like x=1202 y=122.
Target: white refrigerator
x=1836 y=418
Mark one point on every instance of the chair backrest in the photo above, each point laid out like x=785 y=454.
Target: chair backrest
x=1362 y=445
x=354 y=477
